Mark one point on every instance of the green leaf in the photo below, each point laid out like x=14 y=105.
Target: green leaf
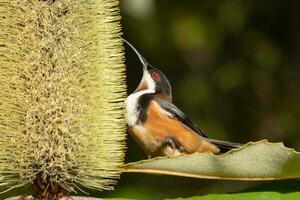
x=254 y=161
x=250 y=196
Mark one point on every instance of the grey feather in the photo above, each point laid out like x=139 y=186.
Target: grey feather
x=179 y=115
x=175 y=112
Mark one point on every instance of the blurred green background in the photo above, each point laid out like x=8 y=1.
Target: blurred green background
x=234 y=66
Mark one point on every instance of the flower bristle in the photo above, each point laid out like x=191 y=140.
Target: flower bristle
x=62 y=86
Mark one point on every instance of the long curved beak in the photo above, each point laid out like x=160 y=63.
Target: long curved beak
x=144 y=62
x=146 y=80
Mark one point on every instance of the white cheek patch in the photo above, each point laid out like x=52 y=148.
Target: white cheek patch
x=132 y=112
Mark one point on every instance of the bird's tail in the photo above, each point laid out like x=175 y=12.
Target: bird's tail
x=224 y=145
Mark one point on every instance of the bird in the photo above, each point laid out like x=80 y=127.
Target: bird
x=158 y=126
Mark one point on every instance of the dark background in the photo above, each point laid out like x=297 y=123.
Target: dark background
x=234 y=68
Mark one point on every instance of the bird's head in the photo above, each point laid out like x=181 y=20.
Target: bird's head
x=153 y=79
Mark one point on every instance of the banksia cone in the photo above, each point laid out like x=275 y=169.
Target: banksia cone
x=62 y=87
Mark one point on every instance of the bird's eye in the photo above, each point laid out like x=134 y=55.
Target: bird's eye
x=154 y=75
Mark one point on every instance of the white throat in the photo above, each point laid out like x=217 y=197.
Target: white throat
x=132 y=111
x=149 y=80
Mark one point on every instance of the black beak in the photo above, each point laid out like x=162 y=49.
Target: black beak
x=144 y=62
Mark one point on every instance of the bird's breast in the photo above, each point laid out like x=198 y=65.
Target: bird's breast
x=133 y=107
x=148 y=141
x=158 y=125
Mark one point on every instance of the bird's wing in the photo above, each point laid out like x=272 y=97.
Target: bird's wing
x=174 y=112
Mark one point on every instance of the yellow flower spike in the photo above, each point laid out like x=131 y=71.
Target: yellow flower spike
x=62 y=86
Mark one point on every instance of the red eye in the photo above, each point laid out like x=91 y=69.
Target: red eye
x=154 y=75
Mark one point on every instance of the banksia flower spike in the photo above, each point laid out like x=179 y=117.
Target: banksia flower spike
x=62 y=87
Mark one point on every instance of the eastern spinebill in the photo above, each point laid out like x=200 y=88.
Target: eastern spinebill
x=157 y=125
